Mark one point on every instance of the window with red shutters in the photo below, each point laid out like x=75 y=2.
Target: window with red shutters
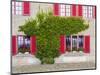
x=76 y=43
x=20 y=8
x=23 y=43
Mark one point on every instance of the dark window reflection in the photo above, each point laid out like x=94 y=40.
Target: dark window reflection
x=74 y=41
x=80 y=39
x=68 y=42
x=23 y=43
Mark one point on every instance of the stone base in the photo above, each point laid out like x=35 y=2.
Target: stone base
x=74 y=58
x=25 y=59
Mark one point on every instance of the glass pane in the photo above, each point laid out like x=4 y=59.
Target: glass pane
x=68 y=42
x=20 y=4
x=62 y=14
x=62 y=10
x=62 y=6
x=68 y=14
x=80 y=40
x=20 y=42
x=20 y=8
x=27 y=42
x=67 y=6
x=20 y=12
x=17 y=12
x=74 y=43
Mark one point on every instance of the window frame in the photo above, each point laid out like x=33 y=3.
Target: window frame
x=87 y=11
x=17 y=8
x=65 y=10
x=74 y=43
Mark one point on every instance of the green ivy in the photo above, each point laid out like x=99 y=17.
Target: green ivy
x=48 y=29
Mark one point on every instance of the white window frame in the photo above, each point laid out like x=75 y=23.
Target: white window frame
x=87 y=11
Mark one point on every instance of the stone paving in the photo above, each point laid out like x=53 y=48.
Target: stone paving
x=53 y=67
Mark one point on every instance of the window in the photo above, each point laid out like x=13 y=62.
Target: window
x=74 y=43
x=68 y=10
x=17 y=8
x=23 y=43
x=87 y=11
x=65 y=10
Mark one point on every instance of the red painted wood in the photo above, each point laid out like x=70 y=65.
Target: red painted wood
x=62 y=44
x=87 y=44
x=73 y=10
x=94 y=12
x=26 y=8
x=33 y=44
x=80 y=10
x=14 y=45
x=56 y=9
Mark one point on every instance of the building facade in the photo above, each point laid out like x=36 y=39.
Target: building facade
x=21 y=11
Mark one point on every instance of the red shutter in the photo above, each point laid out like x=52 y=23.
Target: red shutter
x=26 y=8
x=56 y=9
x=62 y=44
x=14 y=45
x=33 y=45
x=73 y=10
x=80 y=10
x=94 y=12
x=87 y=44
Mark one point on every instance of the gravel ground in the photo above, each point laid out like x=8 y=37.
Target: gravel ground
x=53 y=67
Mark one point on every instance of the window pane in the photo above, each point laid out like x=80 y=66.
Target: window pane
x=17 y=3
x=62 y=10
x=68 y=14
x=17 y=8
x=20 y=12
x=74 y=42
x=80 y=40
x=20 y=42
x=17 y=12
x=20 y=4
x=62 y=6
x=23 y=44
x=62 y=14
x=27 y=42
x=20 y=8
x=85 y=13
x=67 y=6
x=68 y=10
x=68 y=42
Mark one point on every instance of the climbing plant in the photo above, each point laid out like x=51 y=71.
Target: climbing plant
x=48 y=29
